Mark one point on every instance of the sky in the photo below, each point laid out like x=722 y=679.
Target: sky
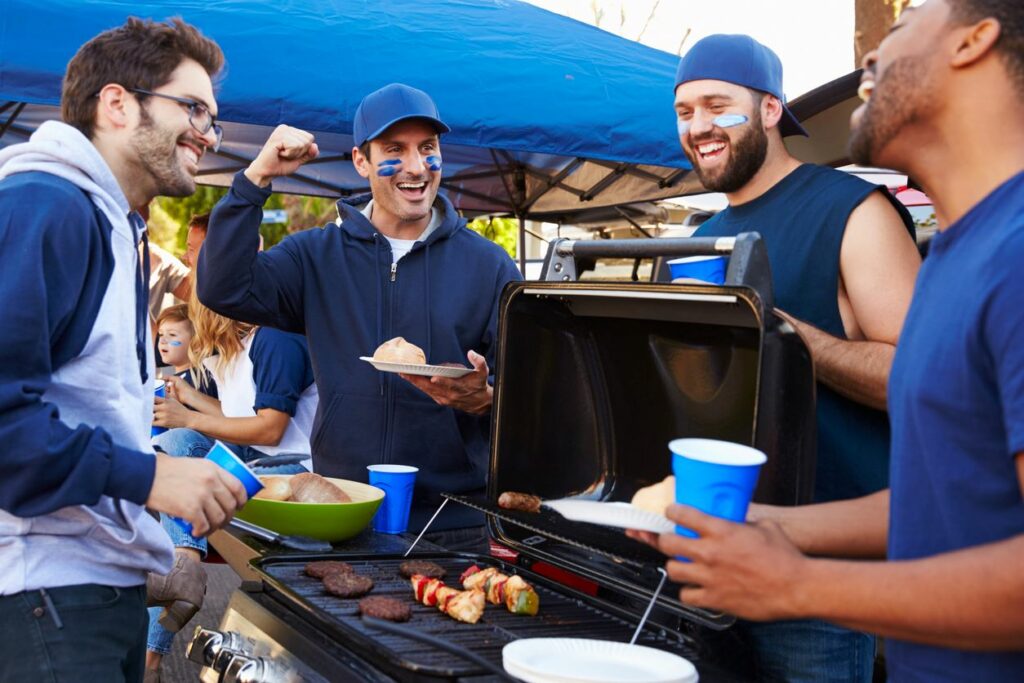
x=813 y=38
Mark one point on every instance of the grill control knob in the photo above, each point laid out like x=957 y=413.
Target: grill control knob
x=208 y=643
x=244 y=669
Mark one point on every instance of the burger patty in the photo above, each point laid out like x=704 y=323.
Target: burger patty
x=322 y=568
x=385 y=608
x=422 y=567
x=347 y=585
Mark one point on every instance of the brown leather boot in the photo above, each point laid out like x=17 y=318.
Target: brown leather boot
x=180 y=592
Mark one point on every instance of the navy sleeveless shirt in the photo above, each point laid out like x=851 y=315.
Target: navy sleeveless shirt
x=802 y=220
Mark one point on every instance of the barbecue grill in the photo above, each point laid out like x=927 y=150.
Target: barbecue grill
x=594 y=379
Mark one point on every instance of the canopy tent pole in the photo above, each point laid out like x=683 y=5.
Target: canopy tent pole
x=521 y=246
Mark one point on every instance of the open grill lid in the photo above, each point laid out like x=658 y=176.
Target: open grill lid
x=595 y=378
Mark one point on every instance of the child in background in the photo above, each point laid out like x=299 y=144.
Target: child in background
x=174 y=335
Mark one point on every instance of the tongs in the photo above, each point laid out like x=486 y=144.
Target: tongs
x=303 y=543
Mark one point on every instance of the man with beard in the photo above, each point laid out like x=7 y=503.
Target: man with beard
x=946 y=105
x=397 y=262
x=76 y=380
x=843 y=263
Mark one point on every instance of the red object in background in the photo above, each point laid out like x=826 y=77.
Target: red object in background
x=911 y=197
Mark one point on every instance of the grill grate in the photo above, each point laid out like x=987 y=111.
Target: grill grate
x=560 y=615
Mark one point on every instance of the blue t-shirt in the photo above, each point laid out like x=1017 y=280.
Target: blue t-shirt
x=956 y=399
x=281 y=369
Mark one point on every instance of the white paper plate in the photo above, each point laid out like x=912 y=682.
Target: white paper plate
x=581 y=660
x=621 y=515
x=413 y=369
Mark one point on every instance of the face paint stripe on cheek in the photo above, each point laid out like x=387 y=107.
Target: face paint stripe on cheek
x=433 y=162
x=389 y=167
x=722 y=121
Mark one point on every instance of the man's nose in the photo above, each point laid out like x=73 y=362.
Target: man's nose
x=701 y=122
x=415 y=163
x=869 y=60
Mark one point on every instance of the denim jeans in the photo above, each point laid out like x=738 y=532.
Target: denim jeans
x=809 y=651
x=188 y=443
x=102 y=635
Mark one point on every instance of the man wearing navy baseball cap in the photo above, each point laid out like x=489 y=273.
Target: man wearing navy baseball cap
x=398 y=262
x=843 y=262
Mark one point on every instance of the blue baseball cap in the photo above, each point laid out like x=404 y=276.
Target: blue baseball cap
x=383 y=108
x=741 y=60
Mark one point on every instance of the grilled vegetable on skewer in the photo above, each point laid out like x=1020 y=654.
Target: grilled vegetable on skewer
x=514 y=592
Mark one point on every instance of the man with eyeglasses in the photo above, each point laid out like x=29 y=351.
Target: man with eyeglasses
x=76 y=468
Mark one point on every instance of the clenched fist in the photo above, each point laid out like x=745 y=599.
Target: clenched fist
x=286 y=149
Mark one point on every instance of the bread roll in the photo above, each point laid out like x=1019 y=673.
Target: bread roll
x=398 y=350
x=657 y=497
x=275 y=488
x=312 y=488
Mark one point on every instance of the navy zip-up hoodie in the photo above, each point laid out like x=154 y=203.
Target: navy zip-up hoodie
x=337 y=286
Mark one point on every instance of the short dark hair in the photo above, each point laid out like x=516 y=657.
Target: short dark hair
x=1010 y=15
x=200 y=221
x=365 y=149
x=141 y=54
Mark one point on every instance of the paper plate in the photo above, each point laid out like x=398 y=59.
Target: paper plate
x=413 y=369
x=621 y=515
x=581 y=660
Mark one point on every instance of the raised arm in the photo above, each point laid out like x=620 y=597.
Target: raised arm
x=233 y=277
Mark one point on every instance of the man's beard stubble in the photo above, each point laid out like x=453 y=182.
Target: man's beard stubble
x=157 y=152
x=747 y=155
x=899 y=98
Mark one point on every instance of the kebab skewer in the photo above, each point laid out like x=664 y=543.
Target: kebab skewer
x=466 y=606
x=514 y=592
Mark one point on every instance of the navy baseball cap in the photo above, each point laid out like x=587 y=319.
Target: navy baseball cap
x=741 y=60
x=383 y=108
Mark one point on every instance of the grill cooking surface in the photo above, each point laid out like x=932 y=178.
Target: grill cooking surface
x=560 y=615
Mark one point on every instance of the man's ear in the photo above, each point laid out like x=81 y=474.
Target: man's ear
x=975 y=42
x=115 y=107
x=771 y=111
x=361 y=163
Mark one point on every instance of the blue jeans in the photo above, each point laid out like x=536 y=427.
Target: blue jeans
x=101 y=637
x=809 y=651
x=189 y=443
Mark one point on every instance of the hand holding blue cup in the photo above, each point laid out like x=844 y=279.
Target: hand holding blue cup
x=716 y=477
x=225 y=458
x=397 y=481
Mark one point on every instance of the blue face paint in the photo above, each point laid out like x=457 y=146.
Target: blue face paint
x=389 y=167
x=174 y=343
x=433 y=162
x=721 y=121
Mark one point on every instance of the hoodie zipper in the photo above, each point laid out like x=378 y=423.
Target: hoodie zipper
x=389 y=415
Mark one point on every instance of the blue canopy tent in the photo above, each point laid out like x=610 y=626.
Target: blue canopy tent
x=549 y=116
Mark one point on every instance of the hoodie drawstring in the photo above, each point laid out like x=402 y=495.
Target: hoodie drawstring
x=426 y=288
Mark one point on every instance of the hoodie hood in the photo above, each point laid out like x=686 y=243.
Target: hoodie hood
x=353 y=222
x=63 y=151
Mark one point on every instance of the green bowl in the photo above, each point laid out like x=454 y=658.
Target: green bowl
x=326 y=521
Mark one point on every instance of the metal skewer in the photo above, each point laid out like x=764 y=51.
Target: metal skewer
x=425 y=527
x=650 y=606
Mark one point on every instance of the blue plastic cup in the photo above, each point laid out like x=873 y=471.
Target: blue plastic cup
x=397 y=481
x=226 y=458
x=716 y=477
x=159 y=392
x=704 y=268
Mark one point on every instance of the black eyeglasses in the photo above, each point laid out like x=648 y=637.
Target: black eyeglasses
x=198 y=114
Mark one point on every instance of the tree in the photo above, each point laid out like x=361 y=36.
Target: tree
x=502 y=231
x=873 y=19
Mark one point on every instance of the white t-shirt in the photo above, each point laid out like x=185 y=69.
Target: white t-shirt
x=400 y=248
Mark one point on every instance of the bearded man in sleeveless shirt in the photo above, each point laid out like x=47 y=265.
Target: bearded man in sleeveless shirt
x=843 y=260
